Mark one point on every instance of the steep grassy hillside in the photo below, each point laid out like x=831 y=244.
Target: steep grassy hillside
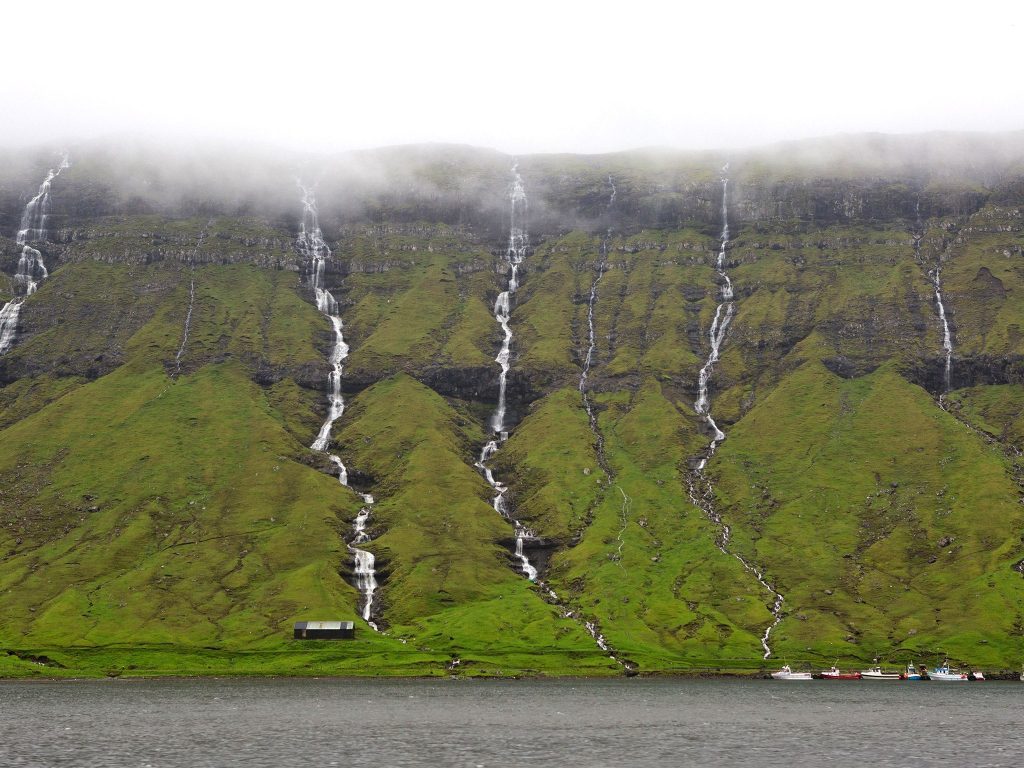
x=161 y=511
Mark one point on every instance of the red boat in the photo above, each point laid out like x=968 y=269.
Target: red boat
x=835 y=674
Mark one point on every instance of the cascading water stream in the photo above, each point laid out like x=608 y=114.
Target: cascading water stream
x=947 y=339
x=31 y=269
x=934 y=276
x=191 y=298
x=518 y=246
x=312 y=246
x=704 y=501
x=588 y=360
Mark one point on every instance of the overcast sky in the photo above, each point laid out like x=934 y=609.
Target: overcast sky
x=517 y=76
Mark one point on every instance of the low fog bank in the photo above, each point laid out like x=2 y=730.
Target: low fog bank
x=465 y=186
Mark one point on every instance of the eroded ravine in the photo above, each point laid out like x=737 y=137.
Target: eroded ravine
x=701 y=489
x=31 y=269
x=315 y=251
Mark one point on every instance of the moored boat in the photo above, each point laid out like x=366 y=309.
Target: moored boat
x=944 y=673
x=913 y=674
x=876 y=673
x=835 y=674
x=788 y=674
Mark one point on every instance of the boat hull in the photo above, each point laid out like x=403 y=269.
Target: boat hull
x=946 y=677
x=791 y=676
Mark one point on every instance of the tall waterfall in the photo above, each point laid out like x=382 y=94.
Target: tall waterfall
x=312 y=246
x=947 y=338
x=31 y=270
x=700 y=488
x=719 y=326
x=935 y=278
x=515 y=253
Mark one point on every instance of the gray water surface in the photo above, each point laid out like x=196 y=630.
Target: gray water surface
x=163 y=723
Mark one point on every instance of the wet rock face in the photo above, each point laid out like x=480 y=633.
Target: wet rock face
x=308 y=376
x=987 y=285
x=833 y=201
x=847 y=368
x=478 y=384
x=973 y=371
x=113 y=245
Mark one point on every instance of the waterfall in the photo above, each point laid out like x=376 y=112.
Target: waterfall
x=588 y=360
x=935 y=278
x=602 y=267
x=704 y=500
x=592 y=627
x=719 y=326
x=191 y=297
x=947 y=339
x=515 y=253
x=31 y=269
x=312 y=246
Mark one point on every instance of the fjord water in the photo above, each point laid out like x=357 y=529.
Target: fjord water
x=620 y=722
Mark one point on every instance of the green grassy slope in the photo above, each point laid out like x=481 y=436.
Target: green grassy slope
x=887 y=524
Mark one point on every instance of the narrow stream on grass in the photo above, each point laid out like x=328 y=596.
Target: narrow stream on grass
x=191 y=298
x=312 y=246
x=592 y=627
x=701 y=489
x=31 y=269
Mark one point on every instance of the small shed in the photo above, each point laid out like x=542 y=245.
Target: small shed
x=325 y=630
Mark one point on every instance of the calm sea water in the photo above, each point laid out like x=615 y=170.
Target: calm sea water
x=497 y=723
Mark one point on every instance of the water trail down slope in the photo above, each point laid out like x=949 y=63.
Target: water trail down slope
x=191 y=298
x=588 y=360
x=312 y=246
x=31 y=269
x=704 y=497
x=518 y=246
x=592 y=627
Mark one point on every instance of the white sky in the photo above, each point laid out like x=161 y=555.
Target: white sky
x=518 y=76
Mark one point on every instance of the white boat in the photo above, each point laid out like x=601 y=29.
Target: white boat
x=944 y=673
x=788 y=674
x=876 y=673
x=977 y=676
